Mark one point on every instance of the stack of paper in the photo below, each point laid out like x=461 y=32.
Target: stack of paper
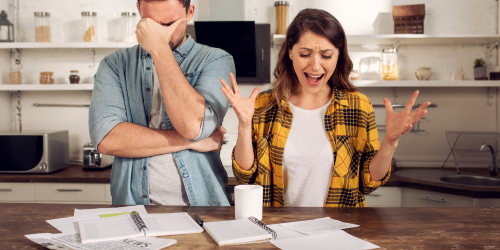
x=324 y=233
x=70 y=236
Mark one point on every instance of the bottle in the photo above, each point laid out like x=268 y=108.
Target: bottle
x=42 y=26
x=390 y=67
x=89 y=26
x=74 y=77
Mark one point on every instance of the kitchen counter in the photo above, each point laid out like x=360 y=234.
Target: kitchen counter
x=75 y=174
x=389 y=228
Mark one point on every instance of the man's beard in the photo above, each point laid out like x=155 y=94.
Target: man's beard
x=177 y=43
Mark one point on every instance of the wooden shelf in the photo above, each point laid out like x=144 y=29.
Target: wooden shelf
x=410 y=39
x=58 y=45
x=47 y=87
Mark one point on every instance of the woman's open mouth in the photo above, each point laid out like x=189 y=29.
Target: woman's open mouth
x=313 y=80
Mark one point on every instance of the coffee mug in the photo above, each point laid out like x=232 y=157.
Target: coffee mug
x=248 y=201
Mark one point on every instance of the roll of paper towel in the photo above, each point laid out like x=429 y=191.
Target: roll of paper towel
x=248 y=201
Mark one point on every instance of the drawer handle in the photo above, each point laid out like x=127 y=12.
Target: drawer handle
x=430 y=199
x=69 y=190
x=376 y=194
x=5 y=190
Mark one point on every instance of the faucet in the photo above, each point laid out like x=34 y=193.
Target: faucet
x=491 y=168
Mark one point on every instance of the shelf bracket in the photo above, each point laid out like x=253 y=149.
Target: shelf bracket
x=16 y=110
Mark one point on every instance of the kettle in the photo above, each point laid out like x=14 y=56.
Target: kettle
x=93 y=160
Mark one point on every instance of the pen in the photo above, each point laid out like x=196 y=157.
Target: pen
x=200 y=221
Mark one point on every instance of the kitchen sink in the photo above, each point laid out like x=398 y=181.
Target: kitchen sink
x=472 y=180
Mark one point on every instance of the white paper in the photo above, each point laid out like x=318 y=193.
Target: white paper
x=70 y=224
x=236 y=232
x=72 y=241
x=328 y=241
x=139 y=208
x=111 y=228
x=285 y=233
x=318 y=226
x=170 y=223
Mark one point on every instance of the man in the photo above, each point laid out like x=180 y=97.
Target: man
x=157 y=107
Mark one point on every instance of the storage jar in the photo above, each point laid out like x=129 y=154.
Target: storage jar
x=74 y=77
x=42 y=26
x=89 y=26
x=281 y=9
x=46 y=77
x=129 y=25
x=390 y=67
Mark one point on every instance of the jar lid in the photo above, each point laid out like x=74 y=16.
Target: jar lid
x=42 y=14
x=391 y=50
x=277 y=3
x=46 y=73
x=74 y=71
x=88 y=13
x=128 y=14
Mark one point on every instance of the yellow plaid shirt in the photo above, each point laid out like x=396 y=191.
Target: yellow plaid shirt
x=351 y=129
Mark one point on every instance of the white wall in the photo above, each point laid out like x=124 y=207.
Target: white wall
x=463 y=109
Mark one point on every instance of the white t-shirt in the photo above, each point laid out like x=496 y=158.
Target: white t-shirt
x=307 y=159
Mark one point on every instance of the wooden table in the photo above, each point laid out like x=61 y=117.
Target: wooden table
x=389 y=228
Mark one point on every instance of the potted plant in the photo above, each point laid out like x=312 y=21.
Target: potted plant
x=480 y=69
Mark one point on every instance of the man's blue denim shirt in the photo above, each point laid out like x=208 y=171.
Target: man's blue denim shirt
x=122 y=93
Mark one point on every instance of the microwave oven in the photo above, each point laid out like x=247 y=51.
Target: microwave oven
x=33 y=151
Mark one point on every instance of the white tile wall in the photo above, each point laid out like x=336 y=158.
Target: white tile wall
x=459 y=109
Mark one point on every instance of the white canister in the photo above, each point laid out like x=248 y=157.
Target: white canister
x=248 y=201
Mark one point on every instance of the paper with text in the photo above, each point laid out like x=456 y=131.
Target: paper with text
x=72 y=241
x=139 y=208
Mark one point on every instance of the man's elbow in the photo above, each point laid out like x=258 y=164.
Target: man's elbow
x=191 y=133
x=105 y=148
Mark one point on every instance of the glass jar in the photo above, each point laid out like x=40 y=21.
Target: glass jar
x=390 y=67
x=89 y=26
x=42 y=26
x=15 y=77
x=129 y=25
x=74 y=77
x=47 y=77
x=281 y=9
x=354 y=75
x=369 y=68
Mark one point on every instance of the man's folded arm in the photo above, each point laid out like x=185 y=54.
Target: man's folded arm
x=109 y=130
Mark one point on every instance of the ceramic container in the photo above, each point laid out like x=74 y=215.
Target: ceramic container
x=423 y=73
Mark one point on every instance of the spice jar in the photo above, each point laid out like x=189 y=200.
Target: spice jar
x=281 y=8
x=42 y=26
x=129 y=25
x=15 y=77
x=46 y=77
x=354 y=75
x=390 y=67
x=74 y=77
x=89 y=26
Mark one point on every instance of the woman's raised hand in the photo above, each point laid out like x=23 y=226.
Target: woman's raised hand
x=243 y=107
x=396 y=124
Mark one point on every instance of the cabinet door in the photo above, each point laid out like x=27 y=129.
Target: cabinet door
x=484 y=202
x=17 y=192
x=422 y=198
x=70 y=193
x=384 y=197
x=107 y=193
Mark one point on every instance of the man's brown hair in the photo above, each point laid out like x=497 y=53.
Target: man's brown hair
x=185 y=3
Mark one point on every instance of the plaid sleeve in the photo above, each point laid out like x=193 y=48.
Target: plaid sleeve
x=372 y=145
x=244 y=176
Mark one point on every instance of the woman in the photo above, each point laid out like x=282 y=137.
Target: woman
x=311 y=140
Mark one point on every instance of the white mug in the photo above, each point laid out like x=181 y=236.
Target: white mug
x=248 y=201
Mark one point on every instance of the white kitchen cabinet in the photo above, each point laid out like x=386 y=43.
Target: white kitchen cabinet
x=422 y=198
x=70 y=193
x=107 y=193
x=14 y=192
x=485 y=202
x=384 y=197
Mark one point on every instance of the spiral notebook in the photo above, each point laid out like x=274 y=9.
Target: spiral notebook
x=134 y=225
x=240 y=231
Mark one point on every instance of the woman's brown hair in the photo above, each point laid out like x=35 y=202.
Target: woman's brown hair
x=320 y=23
